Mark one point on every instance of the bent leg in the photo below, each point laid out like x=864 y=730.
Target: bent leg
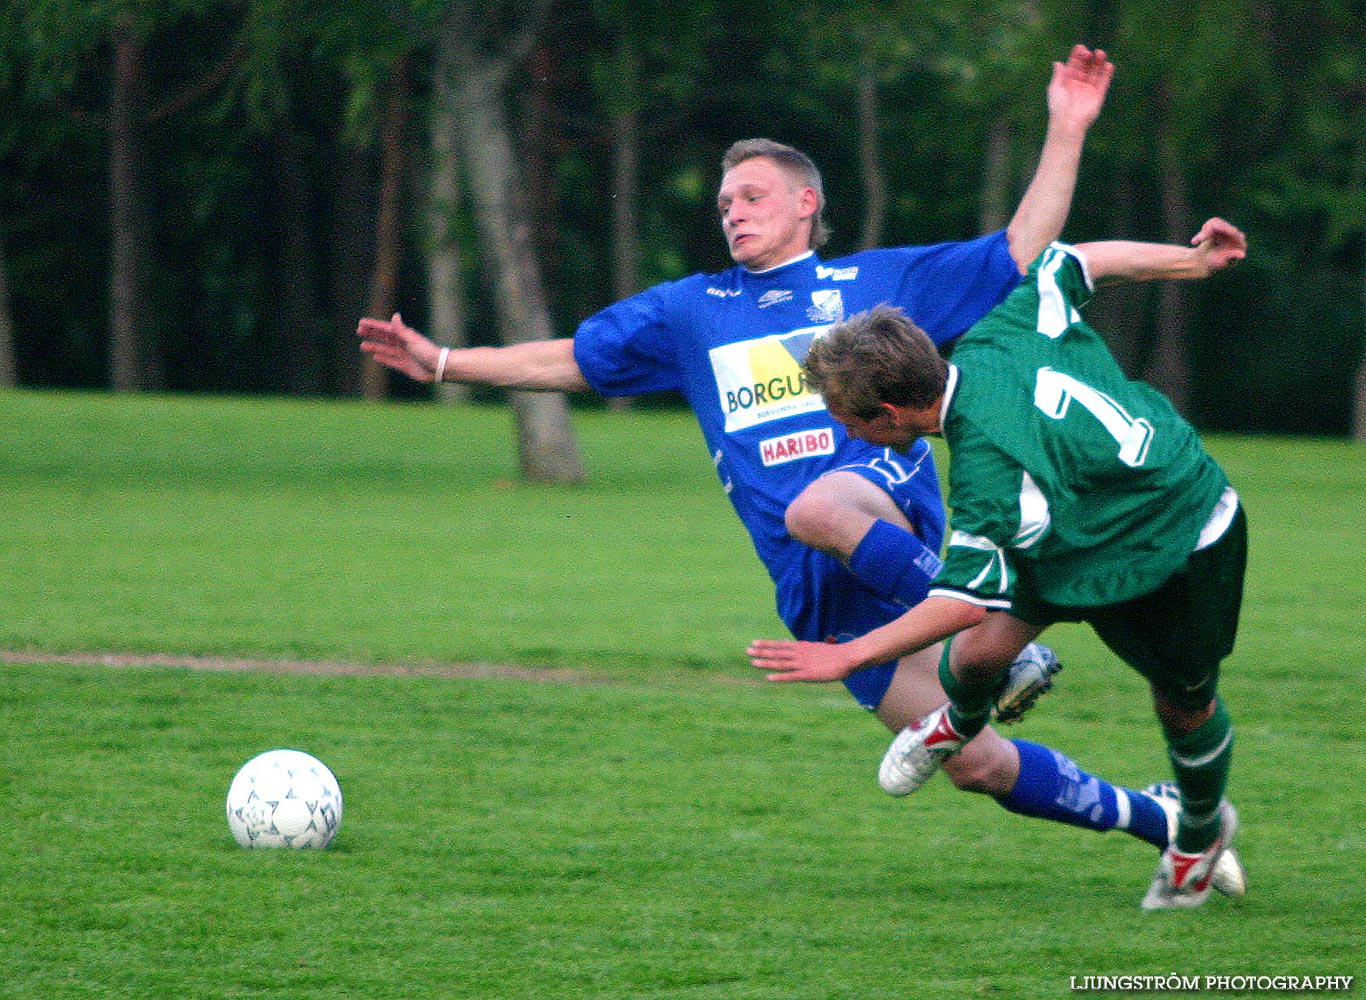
x=835 y=511
x=1177 y=637
x=974 y=665
x=988 y=764
x=847 y=516
x=855 y=518
x=1025 y=778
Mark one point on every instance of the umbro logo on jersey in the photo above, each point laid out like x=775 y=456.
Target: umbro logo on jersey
x=774 y=296
x=836 y=273
x=724 y=293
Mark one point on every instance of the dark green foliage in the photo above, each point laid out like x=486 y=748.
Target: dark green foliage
x=265 y=186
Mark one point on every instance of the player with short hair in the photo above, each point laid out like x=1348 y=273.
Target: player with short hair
x=850 y=533
x=1077 y=495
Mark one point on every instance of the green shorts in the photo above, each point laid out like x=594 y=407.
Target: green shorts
x=1177 y=635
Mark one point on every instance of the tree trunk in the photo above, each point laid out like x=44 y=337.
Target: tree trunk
x=625 y=124
x=351 y=248
x=870 y=162
x=626 y=189
x=295 y=359
x=1170 y=367
x=539 y=137
x=546 y=447
x=1123 y=311
x=1359 y=397
x=445 y=293
x=133 y=361
x=994 y=209
x=9 y=363
x=388 y=234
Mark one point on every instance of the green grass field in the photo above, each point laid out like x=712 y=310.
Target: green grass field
x=631 y=814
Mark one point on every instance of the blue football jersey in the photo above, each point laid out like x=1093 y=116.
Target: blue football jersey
x=733 y=344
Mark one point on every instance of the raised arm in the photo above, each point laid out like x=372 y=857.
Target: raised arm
x=1075 y=95
x=546 y=365
x=1217 y=246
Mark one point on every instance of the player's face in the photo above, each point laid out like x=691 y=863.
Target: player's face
x=765 y=216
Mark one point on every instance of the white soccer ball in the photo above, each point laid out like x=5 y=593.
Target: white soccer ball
x=284 y=798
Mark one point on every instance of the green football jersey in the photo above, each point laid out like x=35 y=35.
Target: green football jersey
x=1065 y=477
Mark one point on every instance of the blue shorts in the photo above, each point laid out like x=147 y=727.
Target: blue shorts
x=819 y=599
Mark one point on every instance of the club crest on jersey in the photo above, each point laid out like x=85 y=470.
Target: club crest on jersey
x=827 y=306
x=762 y=380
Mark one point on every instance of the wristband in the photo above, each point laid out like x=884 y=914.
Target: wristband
x=441 y=365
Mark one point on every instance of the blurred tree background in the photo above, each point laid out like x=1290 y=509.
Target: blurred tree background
x=205 y=196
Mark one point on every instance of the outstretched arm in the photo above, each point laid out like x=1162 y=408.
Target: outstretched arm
x=1217 y=246
x=537 y=364
x=931 y=620
x=1075 y=95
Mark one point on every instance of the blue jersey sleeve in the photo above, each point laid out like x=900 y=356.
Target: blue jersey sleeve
x=629 y=348
x=947 y=287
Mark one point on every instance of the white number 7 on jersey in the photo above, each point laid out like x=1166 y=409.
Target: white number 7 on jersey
x=1054 y=391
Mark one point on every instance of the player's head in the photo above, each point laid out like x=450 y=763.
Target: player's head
x=771 y=201
x=881 y=376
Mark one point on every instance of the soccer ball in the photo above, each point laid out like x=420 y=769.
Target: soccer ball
x=284 y=798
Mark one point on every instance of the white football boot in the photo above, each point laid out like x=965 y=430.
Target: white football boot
x=1030 y=676
x=917 y=752
x=1230 y=878
x=1183 y=880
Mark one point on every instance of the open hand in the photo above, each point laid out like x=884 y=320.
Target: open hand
x=397 y=345
x=801 y=661
x=1078 y=87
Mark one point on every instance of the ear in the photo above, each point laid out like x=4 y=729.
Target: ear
x=896 y=414
x=910 y=418
x=808 y=201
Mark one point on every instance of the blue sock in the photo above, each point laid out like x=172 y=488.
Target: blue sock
x=895 y=563
x=1051 y=786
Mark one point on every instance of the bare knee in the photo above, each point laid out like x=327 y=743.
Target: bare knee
x=812 y=519
x=989 y=765
x=970 y=776
x=1179 y=721
x=984 y=651
x=835 y=512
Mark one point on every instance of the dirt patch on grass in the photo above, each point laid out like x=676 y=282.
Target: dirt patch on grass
x=322 y=668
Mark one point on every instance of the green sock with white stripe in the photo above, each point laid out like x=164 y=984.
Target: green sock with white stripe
x=969 y=704
x=1201 y=762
